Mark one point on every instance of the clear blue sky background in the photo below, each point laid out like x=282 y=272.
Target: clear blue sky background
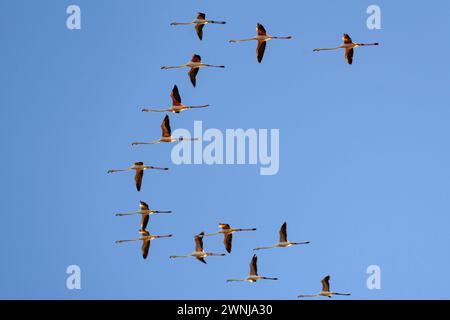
x=365 y=162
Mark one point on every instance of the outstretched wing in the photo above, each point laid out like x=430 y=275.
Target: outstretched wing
x=283 y=233
x=175 y=95
x=193 y=75
x=254 y=266
x=144 y=221
x=201 y=259
x=199 y=29
x=349 y=55
x=260 y=49
x=196 y=58
x=165 y=127
x=346 y=38
x=260 y=30
x=145 y=248
x=144 y=206
x=227 y=241
x=224 y=226
x=201 y=16
x=199 y=242
x=326 y=284
x=138 y=179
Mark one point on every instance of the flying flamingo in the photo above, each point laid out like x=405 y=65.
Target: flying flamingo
x=145 y=213
x=199 y=253
x=284 y=243
x=348 y=45
x=262 y=38
x=253 y=277
x=177 y=106
x=146 y=238
x=195 y=64
x=166 y=135
x=227 y=231
x=139 y=167
x=200 y=22
x=325 y=290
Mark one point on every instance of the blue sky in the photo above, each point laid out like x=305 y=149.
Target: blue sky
x=364 y=158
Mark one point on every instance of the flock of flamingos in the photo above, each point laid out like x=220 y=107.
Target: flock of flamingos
x=225 y=229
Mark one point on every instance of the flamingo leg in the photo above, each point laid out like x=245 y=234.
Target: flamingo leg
x=236 y=280
x=131 y=240
x=152 y=142
x=156 y=110
x=264 y=248
x=128 y=214
x=119 y=170
x=175 y=67
x=182 y=23
x=242 y=40
x=327 y=49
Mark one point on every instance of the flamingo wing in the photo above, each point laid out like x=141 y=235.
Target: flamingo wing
x=196 y=58
x=144 y=206
x=201 y=259
x=199 y=29
x=144 y=221
x=199 y=242
x=193 y=75
x=227 y=241
x=254 y=266
x=326 y=284
x=349 y=55
x=346 y=38
x=283 y=233
x=175 y=95
x=260 y=30
x=201 y=16
x=138 y=179
x=145 y=248
x=224 y=226
x=260 y=49
x=165 y=127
